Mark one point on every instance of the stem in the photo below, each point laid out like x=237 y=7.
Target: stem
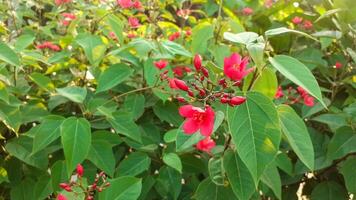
x=133 y=91
x=254 y=78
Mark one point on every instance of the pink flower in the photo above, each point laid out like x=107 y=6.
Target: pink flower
x=297 y=20
x=65 y=186
x=69 y=16
x=125 y=3
x=184 y=13
x=309 y=100
x=338 y=65
x=61 y=197
x=279 y=93
x=178 y=71
x=137 y=4
x=247 y=11
x=61 y=2
x=112 y=35
x=206 y=144
x=198 y=62
x=161 y=64
x=268 y=3
x=197 y=118
x=80 y=170
x=308 y=24
x=133 y=22
x=235 y=68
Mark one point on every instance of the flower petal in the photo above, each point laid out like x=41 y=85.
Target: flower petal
x=186 y=111
x=190 y=126
x=206 y=128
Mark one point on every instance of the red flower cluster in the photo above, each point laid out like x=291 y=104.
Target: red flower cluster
x=174 y=36
x=295 y=95
x=126 y=4
x=91 y=188
x=134 y=22
x=48 y=45
x=308 y=100
x=68 y=17
x=61 y=2
x=306 y=23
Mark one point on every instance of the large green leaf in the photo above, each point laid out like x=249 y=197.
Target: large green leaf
x=266 y=83
x=47 y=132
x=239 y=176
x=175 y=49
x=42 y=81
x=283 y=30
x=207 y=190
x=297 y=72
x=123 y=123
x=73 y=93
x=102 y=156
x=112 y=76
x=24 y=41
x=168 y=112
x=8 y=55
x=93 y=46
x=122 y=188
x=255 y=131
x=348 y=171
x=297 y=135
x=76 y=140
x=134 y=164
x=135 y=105
x=169 y=183
x=201 y=34
x=272 y=179
x=342 y=143
x=117 y=27
x=173 y=160
x=241 y=38
x=328 y=190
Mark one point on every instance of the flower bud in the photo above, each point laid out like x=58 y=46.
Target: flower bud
x=80 y=170
x=190 y=93
x=181 y=84
x=197 y=62
x=63 y=185
x=202 y=92
x=181 y=99
x=237 y=100
x=224 y=100
x=205 y=72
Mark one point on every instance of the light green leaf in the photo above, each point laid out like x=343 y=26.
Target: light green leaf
x=112 y=76
x=122 y=188
x=134 y=164
x=216 y=170
x=255 y=131
x=241 y=38
x=43 y=81
x=23 y=42
x=266 y=83
x=298 y=73
x=4 y=94
x=117 y=27
x=329 y=34
x=200 y=37
x=239 y=176
x=256 y=51
x=76 y=140
x=8 y=55
x=93 y=46
x=297 y=135
x=175 y=49
x=102 y=156
x=283 y=30
x=173 y=160
x=169 y=183
x=123 y=123
x=73 y=93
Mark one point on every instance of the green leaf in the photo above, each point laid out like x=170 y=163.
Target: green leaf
x=272 y=179
x=150 y=72
x=175 y=49
x=256 y=51
x=207 y=190
x=76 y=140
x=297 y=135
x=329 y=34
x=73 y=93
x=169 y=183
x=328 y=190
x=135 y=105
x=134 y=164
x=23 y=42
x=342 y=143
x=43 y=187
x=58 y=174
x=8 y=55
x=117 y=27
x=239 y=176
x=122 y=188
x=200 y=37
x=266 y=83
x=255 y=131
x=24 y=190
x=4 y=94
x=42 y=81
x=283 y=30
x=241 y=38
x=173 y=160
x=284 y=163
x=352 y=53
x=348 y=172
x=102 y=156
x=334 y=121
x=123 y=123
x=93 y=46
x=216 y=170
x=298 y=73
x=46 y=133
x=168 y=112
x=113 y=76
x=170 y=136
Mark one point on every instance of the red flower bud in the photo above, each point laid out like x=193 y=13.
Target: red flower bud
x=237 y=83
x=202 y=93
x=100 y=189
x=235 y=101
x=224 y=100
x=197 y=62
x=181 y=84
x=190 y=93
x=338 y=65
x=68 y=188
x=61 y=197
x=181 y=99
x=161 y=64
x=205 y=72
x=93 y=186
x=90 y=198
x=80 y=170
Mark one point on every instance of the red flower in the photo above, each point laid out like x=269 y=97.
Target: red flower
x=66 y=187
x=184 y=13
x=247 y=11
x=188 y=32
x=161 y=64
x=125 y=3
x=69 y=16
x=309 y=100
x=172 y=83
x=197 y=62
x=308 y=24
x=61 y=2
x=197 y=118
x=61 y=197
x=297 y=20
x=48 y=45
x=338 y=65
x=174 y=36
x=181 y=84
x=137 y=4
x=206 y=144
x=80 y=170
x=279 y=93
x=301 y=91
x=235 y=68
x=133 y=22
